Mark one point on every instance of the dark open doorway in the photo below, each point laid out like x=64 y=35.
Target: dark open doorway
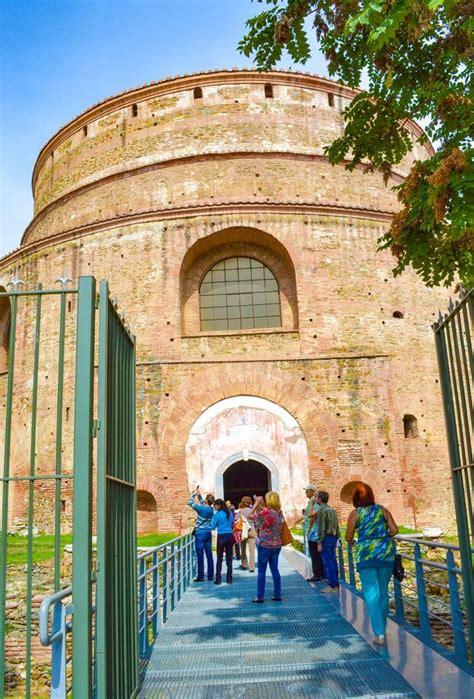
x=246 y=478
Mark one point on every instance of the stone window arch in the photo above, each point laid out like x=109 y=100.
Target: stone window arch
x=238 y=242
x=347 y=491
x=5 y=325
x=239 y=293
x=410 y=426
x=146 y=512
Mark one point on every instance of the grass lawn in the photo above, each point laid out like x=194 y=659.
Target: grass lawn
x=155 y=539
x=43 y=546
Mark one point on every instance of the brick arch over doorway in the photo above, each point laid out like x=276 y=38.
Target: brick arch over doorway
x=249 y=430
x=224 y=380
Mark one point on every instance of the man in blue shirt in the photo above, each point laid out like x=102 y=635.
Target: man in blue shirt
x=202 y=533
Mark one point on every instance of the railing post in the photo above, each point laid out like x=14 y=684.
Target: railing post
x=350 y=560
x=165 y=584
x=143 y=611
x=178 y=570
x=82 y=496
x=189 y=555
x=172 y=577
x=193 y=556
x=340 y=555
x=187 y=558
x=102 y=615
x=425 y=626
x=398 y=597
x=58 y=652
x=460 y=649
x=156 y=595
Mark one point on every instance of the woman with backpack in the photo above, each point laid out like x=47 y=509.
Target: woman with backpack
x=375 y=554
x=249 y=535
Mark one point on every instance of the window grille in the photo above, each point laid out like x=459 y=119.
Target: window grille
x=239 y=293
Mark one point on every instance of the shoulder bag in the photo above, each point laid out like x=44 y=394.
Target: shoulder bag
x=286 y=536
x=398 y=569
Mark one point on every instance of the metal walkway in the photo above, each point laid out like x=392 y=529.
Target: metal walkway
x=217 y=643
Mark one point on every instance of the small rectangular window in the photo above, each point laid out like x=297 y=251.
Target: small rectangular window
x=84 y=130
x=330 y=99
x=268 y=90
x=134 y=110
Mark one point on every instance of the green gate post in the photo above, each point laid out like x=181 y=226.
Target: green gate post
x=31 y=491
x=82 y=518
x=6 y=485
x=101 y=519
x=447 y=390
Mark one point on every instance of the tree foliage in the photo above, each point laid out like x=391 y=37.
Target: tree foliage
x=417 y=58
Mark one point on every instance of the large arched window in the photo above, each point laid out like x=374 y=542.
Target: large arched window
x=239 y=293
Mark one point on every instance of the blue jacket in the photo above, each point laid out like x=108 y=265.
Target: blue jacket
x=222 y=522
x=204 y=514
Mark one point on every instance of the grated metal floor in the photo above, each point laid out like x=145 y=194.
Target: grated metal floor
x=217 y=643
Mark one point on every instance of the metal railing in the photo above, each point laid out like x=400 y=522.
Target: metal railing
x=430 y=600
x=454 y=337
x=164 y=573
x=56 y=637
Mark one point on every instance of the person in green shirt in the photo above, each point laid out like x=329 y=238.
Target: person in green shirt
x=328 y=534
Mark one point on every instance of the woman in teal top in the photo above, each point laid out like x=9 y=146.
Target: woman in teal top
x=375 y=554
x=223 y=521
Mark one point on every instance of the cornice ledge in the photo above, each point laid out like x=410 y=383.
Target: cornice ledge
x=223 y=208
x=185 y=160
x=170 y=85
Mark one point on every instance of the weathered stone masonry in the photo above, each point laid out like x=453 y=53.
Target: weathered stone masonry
x=150 y=189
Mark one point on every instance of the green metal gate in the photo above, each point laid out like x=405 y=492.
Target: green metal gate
x=116 y=601
x=58 y=478
x=454 y=333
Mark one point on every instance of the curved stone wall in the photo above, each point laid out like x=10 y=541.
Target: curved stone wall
x=151 y=206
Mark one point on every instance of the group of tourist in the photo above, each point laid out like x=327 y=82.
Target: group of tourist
x=255 y=519
x=258 y=524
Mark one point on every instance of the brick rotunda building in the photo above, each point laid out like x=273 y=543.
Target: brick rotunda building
x=274 y=346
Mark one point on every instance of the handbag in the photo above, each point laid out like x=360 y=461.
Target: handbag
x=398 y=569
x=286 y=536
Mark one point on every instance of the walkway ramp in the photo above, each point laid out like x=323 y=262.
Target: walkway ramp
x=217 y=643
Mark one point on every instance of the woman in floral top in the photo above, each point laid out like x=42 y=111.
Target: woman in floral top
x=269 y=522
x=375 y=554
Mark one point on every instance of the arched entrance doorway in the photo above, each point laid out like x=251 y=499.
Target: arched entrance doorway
x=248 y=429
x=246 y=478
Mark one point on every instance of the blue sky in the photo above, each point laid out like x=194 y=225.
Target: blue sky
x=58 y=57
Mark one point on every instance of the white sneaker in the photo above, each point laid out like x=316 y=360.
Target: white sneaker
x=380 y=640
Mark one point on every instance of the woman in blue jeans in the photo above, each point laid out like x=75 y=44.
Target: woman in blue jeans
x=268 y=522
x=375 y=554
x=223 y=521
